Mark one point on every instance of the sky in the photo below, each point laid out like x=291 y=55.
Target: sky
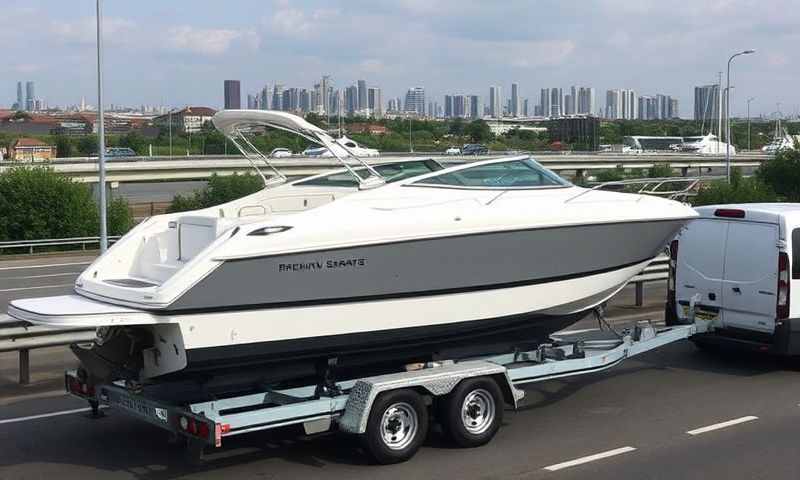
x=178 y=52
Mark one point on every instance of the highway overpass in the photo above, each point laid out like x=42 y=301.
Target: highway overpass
x=147 y=169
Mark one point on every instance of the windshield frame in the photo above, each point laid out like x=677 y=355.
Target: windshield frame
x=414 y=182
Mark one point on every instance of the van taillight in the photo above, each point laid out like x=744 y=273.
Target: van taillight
x=673 y=263
x=782 y=304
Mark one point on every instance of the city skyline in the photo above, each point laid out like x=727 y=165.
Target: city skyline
x=178 y=54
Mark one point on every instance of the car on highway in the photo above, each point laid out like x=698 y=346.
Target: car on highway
x=474 y=149
x=453 y=151
x=737 y=265
x=280 y=153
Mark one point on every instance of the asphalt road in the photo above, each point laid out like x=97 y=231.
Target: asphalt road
x=629 y=422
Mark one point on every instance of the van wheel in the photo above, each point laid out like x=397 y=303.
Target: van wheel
x=473 y=412
x=397 y=426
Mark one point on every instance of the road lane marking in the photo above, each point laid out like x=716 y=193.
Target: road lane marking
x=718 y=426
x=47 y=415
x=28 y=277
x=35 y=288
x=24 y=267
x=590 y=458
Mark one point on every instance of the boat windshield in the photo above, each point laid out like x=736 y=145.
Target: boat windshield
x=519 y=173
x=392 y=172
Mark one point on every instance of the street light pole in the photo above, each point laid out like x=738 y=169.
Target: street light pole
x=728 y=115
x=748 y=121
x=101 y=133
x=410 y=144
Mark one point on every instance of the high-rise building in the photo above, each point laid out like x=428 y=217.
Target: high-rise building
x=495 y=102
x=304 y=100
x=448 y=106
x=415 y=100
x=613 y=104
x=251 y=102
x=556 y=102
x=277 y=97
x=569 y=104
x=265 y=97
x=30 y=96
x=324 y=98
x=351 y=100
x=233 y=95
x=515 y=102
x=525 y=108
x=375 y=102
x=475 y=106
x=629 y=104
x=544 y=103
x=19 y=105
x=673 y=108
x=585 y=105
x=362 y=95
x=706 y=102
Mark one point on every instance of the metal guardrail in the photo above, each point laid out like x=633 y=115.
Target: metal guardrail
x=24 y=337
x=53 y=242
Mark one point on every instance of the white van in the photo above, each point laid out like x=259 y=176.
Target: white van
x=739 y=263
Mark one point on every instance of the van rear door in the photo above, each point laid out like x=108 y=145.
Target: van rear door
x=751 y=276
x=701 y=258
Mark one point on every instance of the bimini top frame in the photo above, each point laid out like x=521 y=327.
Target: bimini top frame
x=234 y=123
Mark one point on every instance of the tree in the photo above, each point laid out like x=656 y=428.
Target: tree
x=63 y=146
x=218 y=191
x=478 y=131
x=739 y=190
x=87 y=145
x=39 y=203
x=782 y=173
x=134 y=141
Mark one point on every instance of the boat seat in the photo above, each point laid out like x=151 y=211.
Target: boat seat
x=196 y=232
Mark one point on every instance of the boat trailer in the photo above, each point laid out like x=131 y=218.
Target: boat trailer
x=389 y=412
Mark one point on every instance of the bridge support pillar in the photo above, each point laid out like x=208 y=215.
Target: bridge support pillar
x=684 y=171
x=639 y=293
x=580 y=175
x=24 y=367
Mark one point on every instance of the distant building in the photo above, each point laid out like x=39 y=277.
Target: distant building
x=19 y=105
x=233 y=95
x=706 y=102
x=361 y=95
x=495 y=102
x=515 y=101
x=371 y=128
x=30 y=96
x=673 y=108
x=556 y=102
x=544 y=103
x=415 y=101
x=585 y=104
x=621 y=104
x=582 y=132
x=31 y=150
x=187 y=120
x=475 y=107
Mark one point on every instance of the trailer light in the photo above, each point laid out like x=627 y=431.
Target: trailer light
x=729 y=213
x=202 y=430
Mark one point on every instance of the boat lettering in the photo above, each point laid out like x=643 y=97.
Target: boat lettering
x=323 y=265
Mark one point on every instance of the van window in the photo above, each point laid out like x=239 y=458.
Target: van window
x=796 y=253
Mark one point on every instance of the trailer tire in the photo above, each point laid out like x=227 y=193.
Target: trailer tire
x=397 y=426
x=473 y=412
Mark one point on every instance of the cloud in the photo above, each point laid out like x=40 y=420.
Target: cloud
x=189 y=39
x=84 y=31
x=295 y=23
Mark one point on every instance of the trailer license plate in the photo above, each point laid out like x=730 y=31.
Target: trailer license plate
x=700 y=314
x=141 y=408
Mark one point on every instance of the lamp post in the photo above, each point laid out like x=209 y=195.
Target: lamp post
x=410 y=142
x=728 y=115
x=101 y=133
x=748 y=121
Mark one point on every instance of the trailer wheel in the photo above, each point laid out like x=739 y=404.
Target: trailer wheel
x=473 y=412
x=397 y=426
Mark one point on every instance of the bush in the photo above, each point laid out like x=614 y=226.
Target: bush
x=38 y=203
x=611 y=175
x=782 y=173
x=218 y=191
x=659 y=171
x=740 y=190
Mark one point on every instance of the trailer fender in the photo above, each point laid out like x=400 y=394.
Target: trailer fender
x=437 y=380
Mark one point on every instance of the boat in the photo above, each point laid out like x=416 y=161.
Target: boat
x=342 y=143
x=372 y=263
x=705 y=145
